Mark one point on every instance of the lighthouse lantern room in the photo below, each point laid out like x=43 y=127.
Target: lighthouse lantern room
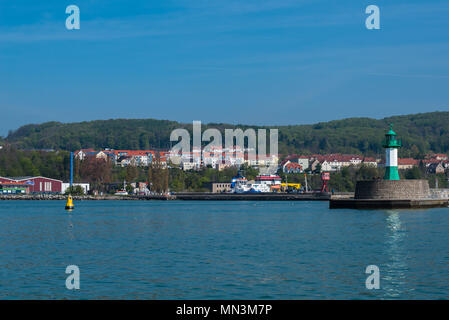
x=391 y=144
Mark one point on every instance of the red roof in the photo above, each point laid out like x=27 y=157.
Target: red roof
x=89 y=150
x=437 y=155
x=13 y=183
x=134 y=152
x=293 y=165
x=408 y=162
x=428 y=161
x=336 y=157
x=268 y=178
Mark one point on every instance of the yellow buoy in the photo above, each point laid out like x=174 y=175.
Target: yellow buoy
x=69 y=206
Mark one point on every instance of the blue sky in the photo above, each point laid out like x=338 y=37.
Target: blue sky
x=255 y=62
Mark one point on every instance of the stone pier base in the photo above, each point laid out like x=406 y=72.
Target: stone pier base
x=392 y=189
x=391 y=194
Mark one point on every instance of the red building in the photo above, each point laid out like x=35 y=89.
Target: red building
x=37 y=184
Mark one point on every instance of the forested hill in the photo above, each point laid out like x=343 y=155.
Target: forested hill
x=420 y=133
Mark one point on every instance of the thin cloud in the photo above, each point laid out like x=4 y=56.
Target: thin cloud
x=215 y=16
x=200 y=18
x=404 y=75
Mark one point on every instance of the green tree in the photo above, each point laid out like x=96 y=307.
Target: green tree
x=75 y=191
x=158 y=176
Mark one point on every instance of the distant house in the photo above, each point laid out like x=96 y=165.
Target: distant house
x=326 y=166
x=428 y=162
x=220 y=187
x=188 y=166
x=105 y=155
x=123 y=161
x=83 y=153
x=234 y=157
x=436 y=168
x=267 y=160
x=164 y=158
x=303 y=161
x=292 y=167
x=140 y=158
x=437 y=156
x=222 y=166
x=250 y=159
x=313 y=165
x=84 y=186
x=407 y=163
x=211 y=157
x=370 y=162
x=335 y=162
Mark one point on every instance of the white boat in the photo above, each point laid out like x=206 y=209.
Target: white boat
x=259 y=187
x=122 y=192
x=243 y=188
x=239 y=184
x=269 y=179
x=271 y=182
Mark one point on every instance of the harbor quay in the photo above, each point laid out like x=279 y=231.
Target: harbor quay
x=199 y=196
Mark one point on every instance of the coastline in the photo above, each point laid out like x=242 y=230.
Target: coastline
x=199 y=196
x=60 y=197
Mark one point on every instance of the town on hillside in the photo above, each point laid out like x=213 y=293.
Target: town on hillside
x=434 y=163
x=151 y=171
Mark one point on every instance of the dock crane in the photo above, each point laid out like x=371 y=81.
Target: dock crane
x=325 y=177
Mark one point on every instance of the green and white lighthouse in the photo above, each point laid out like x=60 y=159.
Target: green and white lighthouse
x=391 y=144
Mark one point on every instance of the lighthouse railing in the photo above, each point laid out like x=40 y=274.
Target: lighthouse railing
x=392 y=143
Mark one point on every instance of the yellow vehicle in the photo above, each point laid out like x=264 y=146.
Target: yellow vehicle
x=291 y=186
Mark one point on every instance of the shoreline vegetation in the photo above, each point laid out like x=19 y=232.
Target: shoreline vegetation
x=421 y=133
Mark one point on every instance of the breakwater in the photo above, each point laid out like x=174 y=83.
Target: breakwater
x=392 y=194
x=387 y=204
x=318 y=196
x=62 y=197
x=392 y=189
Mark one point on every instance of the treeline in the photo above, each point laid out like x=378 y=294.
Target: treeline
x=19 y=163
x=420 y=134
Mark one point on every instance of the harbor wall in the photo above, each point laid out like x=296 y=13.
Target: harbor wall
x=317 y=196
x=392 y=189
x=387 y=204
x=186 y=196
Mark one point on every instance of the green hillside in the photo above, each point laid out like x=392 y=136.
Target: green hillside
x=420 y=133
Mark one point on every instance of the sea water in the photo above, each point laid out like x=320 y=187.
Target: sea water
x=220 y=250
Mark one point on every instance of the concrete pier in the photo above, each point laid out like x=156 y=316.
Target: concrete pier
x=392 y=194
x=201 y=196
x=318 y=196
x=386 y=204
x=392 y=189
